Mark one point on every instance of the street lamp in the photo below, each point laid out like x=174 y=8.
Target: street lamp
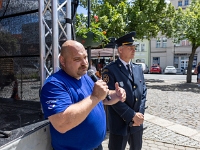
x=174 y=54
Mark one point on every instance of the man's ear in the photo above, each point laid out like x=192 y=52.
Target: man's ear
x=120 y=49
x=62 y=60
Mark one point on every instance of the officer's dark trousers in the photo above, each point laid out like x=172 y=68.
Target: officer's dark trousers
x=117 y=142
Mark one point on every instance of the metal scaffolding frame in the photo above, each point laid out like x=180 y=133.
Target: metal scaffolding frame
x=53 y=11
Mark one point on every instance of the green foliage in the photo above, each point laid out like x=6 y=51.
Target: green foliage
x=119 y=17
x=147 y=17
x=82 y=28
x=113 y=22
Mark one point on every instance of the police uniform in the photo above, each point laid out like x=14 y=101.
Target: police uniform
x=120 y=114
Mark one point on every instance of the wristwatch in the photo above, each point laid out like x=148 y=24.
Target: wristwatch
x=131 y=123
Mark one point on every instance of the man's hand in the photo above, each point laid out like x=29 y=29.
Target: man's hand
x=138 y=119
x=100 y=90
x=120 y=92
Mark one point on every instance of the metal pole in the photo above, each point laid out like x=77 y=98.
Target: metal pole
x=89 y=13
x=114 y=54
x=89 y=47
x=42 y=42
x=21 y=83
x=114 y=48
x=149 y=65
x=174 y=55
x=69 y=20
x=55 y=35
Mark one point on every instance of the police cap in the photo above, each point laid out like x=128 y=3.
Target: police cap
x=127 y=39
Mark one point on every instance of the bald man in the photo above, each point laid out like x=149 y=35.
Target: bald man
x=73 y=103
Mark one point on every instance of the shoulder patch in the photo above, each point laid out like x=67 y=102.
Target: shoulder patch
x=105 y=78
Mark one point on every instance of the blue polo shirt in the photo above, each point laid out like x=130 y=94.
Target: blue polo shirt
x=58 y=93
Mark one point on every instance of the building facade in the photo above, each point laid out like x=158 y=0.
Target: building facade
x=165 y=53
x=142 y=52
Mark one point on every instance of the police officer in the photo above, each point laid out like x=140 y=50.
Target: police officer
x=125 y=120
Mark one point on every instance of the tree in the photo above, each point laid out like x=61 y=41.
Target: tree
x=119 y=17
x=146 y=17
x=186 y=25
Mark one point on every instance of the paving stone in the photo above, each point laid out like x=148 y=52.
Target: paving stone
x=182 y=130
x=189 y=148
x=160 y=121
x=179 y=147
x=196 y=137
x=159 y=143
x=169 y=145
x=163 y=147
x=153 y=148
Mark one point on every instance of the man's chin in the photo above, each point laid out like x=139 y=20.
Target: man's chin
x=83 y=72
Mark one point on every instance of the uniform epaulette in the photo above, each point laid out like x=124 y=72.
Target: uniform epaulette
x=108 y=65
x=113 y=62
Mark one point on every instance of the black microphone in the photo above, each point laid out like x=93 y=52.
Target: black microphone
x=92 y=75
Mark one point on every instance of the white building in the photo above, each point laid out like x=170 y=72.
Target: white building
x=164 y=52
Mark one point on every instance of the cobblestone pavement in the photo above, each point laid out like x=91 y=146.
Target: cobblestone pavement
x=178 y=103
x=175 y=101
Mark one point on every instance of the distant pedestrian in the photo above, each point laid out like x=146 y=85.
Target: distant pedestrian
x=15 y=90
x=92 y=66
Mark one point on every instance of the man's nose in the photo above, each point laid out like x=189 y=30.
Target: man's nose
x=85 y=61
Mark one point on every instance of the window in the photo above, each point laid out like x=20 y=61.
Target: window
x=156 y=60
x=186 y=2
x=185 y=43
x=179 y=3
x=164 y=42
x=142 y=47
x=158 y=43
x=137 y=47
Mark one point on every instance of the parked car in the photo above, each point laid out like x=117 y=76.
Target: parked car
x=155 y=69
x=144 y=67
x=170 y=70
x=185 y=70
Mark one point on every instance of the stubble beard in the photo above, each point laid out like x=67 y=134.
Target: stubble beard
x=80 y=70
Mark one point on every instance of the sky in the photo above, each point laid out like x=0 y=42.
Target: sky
x=81 y=10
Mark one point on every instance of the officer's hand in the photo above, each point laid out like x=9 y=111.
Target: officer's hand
x=120 y=92
x=134 y=125
x=100 y=90
x=138 y=119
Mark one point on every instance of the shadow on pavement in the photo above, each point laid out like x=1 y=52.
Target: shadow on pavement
x=154 y=81
x=170 y=86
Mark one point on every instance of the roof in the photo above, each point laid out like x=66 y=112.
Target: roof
x=104 y=52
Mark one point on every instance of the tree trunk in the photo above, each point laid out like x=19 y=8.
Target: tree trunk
x=190 y=63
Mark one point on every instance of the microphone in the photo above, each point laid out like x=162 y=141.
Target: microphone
x=92 y=75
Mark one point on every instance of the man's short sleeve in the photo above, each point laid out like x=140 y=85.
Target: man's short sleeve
x=55 y=98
